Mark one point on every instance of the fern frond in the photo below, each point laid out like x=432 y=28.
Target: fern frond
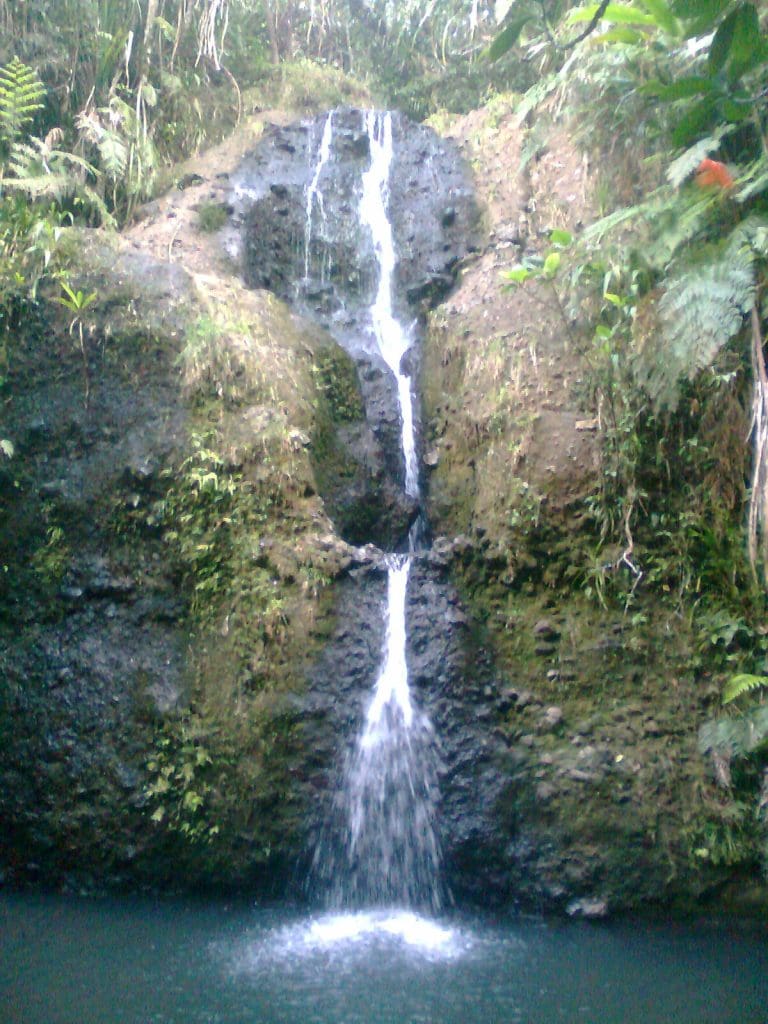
x=752 y=233
x=37 y=186
x=676 y=220
x=26 y=159
x=596 y=232
x=688 y=161
x=114 y=154
x=35 y=158
x=735 y=737
x=753 y=180
x=21 y=96
x=743 y=683
x=679 y=333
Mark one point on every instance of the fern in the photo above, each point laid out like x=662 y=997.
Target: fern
x=41 y=172
x=687 y=163
x=21 y=96
x=753 y=180
x=701 y=308
x=735 y=737
x=114 y=155
x=743 y=683
x=671 y=220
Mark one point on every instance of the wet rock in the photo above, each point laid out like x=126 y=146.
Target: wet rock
x=590 y=908
x=551 y=719
x=519 y=698
x=545 y=630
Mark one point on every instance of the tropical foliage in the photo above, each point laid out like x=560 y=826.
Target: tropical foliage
x=675 y=92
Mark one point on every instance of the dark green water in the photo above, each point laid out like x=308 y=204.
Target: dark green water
x=83 y=961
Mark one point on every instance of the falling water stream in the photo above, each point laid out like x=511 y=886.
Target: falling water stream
x=391 y=336
x=389 y=853
x=314 y=193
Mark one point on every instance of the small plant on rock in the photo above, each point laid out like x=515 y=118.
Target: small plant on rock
x=77 y=302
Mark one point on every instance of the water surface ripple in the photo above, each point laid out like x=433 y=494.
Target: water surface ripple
x=133 y=961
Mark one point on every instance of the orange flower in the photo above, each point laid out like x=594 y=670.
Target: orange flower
x=713 y=174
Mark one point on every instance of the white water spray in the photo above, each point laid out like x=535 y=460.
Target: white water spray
x=313 y=191
x=388 y=799
x=391 y=337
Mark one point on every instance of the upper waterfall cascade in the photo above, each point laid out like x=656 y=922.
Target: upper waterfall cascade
x=314 y=192
x=391 y=337
x=358 y=219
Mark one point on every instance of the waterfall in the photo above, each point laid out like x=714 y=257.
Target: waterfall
x=386 y=805
x=313 y=191
x=388 y=796
x=391 y=337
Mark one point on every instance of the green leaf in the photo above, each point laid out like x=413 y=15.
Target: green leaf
x=746 y=44
x=743 y=683
x=694 y=122
x=166 y=29
x=662 y=12
x=158 y=814
x=746 y=32
x=551 y=264
x=507 y=38
x=192 y=801
x=6 y=447
x=684 y=88
x=699 y=8
x=517 y=275
x=734 y=112
x=700 y=15
x=720 y=46
x=621 y=34
x=560 y=237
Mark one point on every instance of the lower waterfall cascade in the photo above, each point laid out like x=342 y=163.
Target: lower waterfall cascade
x=387 y=799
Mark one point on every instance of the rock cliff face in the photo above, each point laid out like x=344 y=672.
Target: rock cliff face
x=191 y=611
x=603 y=797
x=186 y=636
x=165 y=555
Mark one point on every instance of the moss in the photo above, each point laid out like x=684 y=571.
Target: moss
x=212 y=216
x=309 y=87
x=234 y=519
x=336 y=378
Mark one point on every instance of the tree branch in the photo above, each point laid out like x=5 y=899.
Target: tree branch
x=573 y=42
